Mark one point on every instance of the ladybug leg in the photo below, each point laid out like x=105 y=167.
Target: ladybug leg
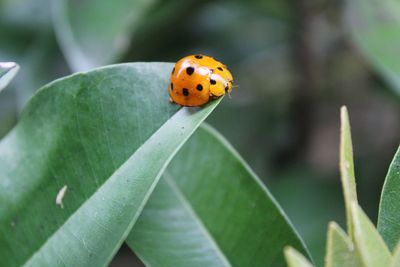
x=212 y=97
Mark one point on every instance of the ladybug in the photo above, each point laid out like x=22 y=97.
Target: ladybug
x=196 y=79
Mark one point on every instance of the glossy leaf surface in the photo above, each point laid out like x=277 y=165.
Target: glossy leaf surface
x=107 y=135
x=210 y=209
x=389 y=208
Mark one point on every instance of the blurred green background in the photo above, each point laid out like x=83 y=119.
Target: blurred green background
x=294 y=63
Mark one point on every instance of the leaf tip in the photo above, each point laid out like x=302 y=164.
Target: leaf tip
x=345 y=122
x=295 y=258
x=333 y=225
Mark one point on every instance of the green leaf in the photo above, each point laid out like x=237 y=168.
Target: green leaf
x=339 y=250
x=347 y=167
x=210 y=209
x=375 y=28
x=95 y=143
x=295 y=259
x=93 y=33
x=8 y=70
x=389 y=207
x=32 y=16
x=371 y=248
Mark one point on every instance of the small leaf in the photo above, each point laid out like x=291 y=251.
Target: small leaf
x=389 y=208
x=295 y=259
x=8 y=70
x=210 y=209
x=93 y=33
x=375 y=28
x=369 y=244
x=347 y=167
x=339 y=250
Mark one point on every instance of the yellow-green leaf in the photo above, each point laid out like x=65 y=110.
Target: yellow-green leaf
x=295 y=258
x=340 y=251
x=347 y=167
x=369 y=244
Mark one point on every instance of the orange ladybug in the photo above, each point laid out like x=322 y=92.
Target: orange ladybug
x=196 y=79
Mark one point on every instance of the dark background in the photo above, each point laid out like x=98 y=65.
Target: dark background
x=294 y=64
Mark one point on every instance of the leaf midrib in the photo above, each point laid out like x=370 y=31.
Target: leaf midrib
x=196 y=218
x=102 y=184
x=167 y=124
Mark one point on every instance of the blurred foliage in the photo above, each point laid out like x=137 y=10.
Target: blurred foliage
x=375 y=27
x=94 y=33
x=294 y=63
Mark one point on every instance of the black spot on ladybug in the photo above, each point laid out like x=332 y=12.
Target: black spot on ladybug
x=189 y=70
x=173 y=70
x=213 y=81
x=172 y=86
x=199 y=87
x=198 y=56
x=221 y=69
x=185 y=91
